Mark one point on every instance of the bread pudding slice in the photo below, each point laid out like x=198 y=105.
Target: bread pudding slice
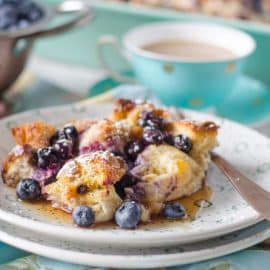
x=203 y=136
x=36 y=134
x=165 y=173
x=105 y=135
x=128 y=167
x=88 y=180
x=18 y=165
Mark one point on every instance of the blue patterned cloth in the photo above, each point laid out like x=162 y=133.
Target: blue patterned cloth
x=14 y=259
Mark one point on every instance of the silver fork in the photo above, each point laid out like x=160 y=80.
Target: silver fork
x=252 y=193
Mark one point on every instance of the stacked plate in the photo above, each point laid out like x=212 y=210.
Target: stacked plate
x=225 y=225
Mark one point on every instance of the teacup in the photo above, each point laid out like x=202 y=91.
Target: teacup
x=177 y=80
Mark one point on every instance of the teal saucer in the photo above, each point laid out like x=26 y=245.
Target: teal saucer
x=248 y=103
x=106 y=84
x=102 y=86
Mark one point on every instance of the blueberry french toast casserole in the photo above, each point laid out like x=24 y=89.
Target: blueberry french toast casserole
x=128 y=168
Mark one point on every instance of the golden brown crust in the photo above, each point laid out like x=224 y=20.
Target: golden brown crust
x=36 y=134
x=200 y=128
x=98 y=169
x=126 y=109
x=122 y=107
x=18 y=165
x=203 y=136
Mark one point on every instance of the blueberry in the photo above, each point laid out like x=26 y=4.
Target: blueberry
x=132 y=149
x=18 y=14
x=71 y=133
x=118 y=154
x=7 y=16
x=13 y=2
x=169 y=139
x=47 y=158
x=29 y=11
x=183 y=143
x=83 y=216
x=34 y=14
x=64 y=149
x=148 y=119
x=82 y=189
x=46 y=176
x=154 y=122
x=174 y=211
x=28 y=189
x=153 y=136
x=144 y=116
x=23 y=23
x=57 y=136
x=128 y=215
x=11 y=28
x=126 y=181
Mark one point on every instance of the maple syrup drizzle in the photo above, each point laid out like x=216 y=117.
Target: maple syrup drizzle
x=192 y=204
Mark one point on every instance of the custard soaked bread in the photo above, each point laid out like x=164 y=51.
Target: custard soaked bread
x=166 y=173
x=88 y=180
x=128 y=167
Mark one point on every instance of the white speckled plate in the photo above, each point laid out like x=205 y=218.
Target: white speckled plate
x=245 y=148
x=108 y=256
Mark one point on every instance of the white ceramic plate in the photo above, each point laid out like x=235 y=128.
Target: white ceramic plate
x=133 y=258
x=245 y=148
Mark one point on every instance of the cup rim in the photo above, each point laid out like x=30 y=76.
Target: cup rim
x=131 y=47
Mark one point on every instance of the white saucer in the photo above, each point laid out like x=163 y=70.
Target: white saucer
x=133 y=258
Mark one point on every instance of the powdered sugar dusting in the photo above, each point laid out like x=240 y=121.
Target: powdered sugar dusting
x=104 y=157
x=19 y=150
x=122 y=128
x=69 y=169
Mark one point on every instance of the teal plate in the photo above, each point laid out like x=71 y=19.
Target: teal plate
x=248 y=103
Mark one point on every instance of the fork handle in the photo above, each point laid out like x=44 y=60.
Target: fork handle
x=256 y=196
